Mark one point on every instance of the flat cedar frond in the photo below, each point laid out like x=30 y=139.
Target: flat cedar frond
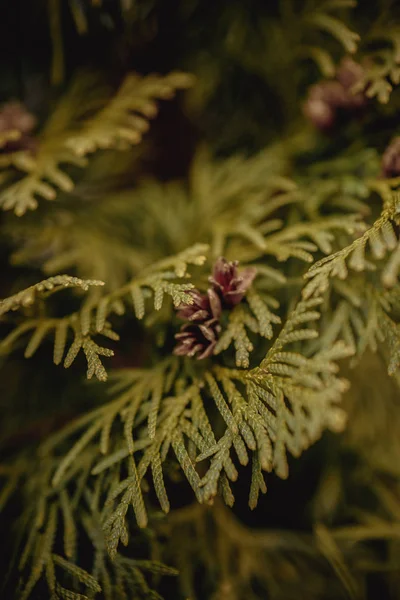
x=258 y=319
x=138 y=387
x=120 y=123
x=255 y=233
x=227 y=180
x=112 y=243
x=354 y=317
x=380 y=78
x=61 y=328
x=289 y=401
x=292 y=240
x=359 y=326
x=155 y=280
x=125 y=118
x=342 y=183
x=44 y=288
x=381 y=238
x=51 y=519
x=77 y=573
x=364 y=314
x=42 y=326
x=304 y=32
x=382 y=69
x=131 y=574
x=243 y=207
x=218 y=192
x=202 y=243
x=92 y=319
x=281 y=406
x=323 y=21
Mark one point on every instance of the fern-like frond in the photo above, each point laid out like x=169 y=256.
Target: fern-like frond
x=125 y=118
x=155 y=281
x=220 y=189
x=61 y=329
x=354 y=317
x=382 y=68
x=42 y=326
x=305 y=32
x=115 y=527
x=281 y=406
x=92 y=319
x=381 y=239
x=324 y=22
x=55 y=521
x=365 y=316
x=257 y=317
x=42 y=289
x=288 y=401
x=303 y=239
x=279 y=220
x=137 y=387
x=121 y=573
x=67 y=140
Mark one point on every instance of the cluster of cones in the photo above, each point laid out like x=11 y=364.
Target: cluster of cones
x=199 y=335
x=346 y=94
x=343 y=94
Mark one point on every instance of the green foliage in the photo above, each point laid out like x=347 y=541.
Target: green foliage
x=318 y=21
x=85 y=121
x=315 y=218
x=42 y=326
x=282 y=405
x=382 y=60
x=241 y=206
x=28 y=296
x=73 y=511
x=363 y=306
x=241 y=319
x=381 y=238
x=91 y=320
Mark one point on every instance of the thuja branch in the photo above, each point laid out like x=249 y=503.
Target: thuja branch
x=91 y=320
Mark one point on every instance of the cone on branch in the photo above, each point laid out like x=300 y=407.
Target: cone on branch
x=327 y=99
x=199 y=336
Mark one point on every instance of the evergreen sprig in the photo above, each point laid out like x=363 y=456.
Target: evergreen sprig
x=82 y=124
